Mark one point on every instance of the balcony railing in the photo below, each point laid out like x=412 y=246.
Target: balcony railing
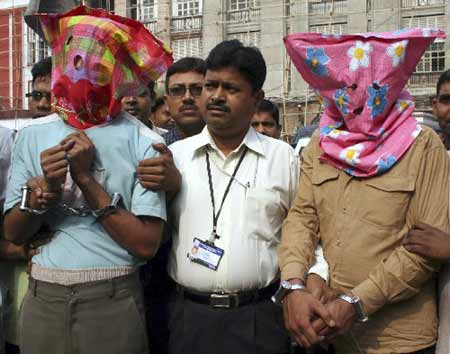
x=324 y=8
x=424 y=80
x=187 y=23
x=414 y=3
x=244 y=16
x=152 y=26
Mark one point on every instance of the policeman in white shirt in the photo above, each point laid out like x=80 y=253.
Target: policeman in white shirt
x=237 y=187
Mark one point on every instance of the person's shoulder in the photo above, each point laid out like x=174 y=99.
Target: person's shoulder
x=141 y=128
x=184 y=146
x=428 y=138
x=44 y=124
x=5 y=133
x=275 y=146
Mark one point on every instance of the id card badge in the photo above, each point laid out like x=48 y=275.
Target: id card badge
x=205 y=254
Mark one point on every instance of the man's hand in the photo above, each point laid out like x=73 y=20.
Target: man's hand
x=54 y=165
x=427 y=241
x=80 y=154
x=319 y=289
x=12 y=252
x=343 y=314
x=160 y=173
x=299 y=308
x=42 y=196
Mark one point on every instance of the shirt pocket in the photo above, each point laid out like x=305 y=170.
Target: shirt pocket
x=263 y=214
x=385 y=200
x=325 y=188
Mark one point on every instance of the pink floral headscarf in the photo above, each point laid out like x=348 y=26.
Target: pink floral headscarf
x=367 y=124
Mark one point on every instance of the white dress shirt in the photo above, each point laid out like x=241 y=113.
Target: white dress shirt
x=6 y=143
x=250 y=222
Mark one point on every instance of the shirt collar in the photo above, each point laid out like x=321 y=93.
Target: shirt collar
x=252 y=140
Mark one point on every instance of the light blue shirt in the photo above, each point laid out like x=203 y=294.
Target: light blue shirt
x=82 y=242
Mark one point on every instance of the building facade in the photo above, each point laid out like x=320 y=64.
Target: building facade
x=194 y=27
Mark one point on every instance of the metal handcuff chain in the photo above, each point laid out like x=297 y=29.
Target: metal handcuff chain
x=82 y=211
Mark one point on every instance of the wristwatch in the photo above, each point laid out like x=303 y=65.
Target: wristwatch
x=112 y=207
x=355 y=301
x=284 y=289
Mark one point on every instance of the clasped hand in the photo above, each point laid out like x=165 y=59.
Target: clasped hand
x=76 y=151
x=316 y=315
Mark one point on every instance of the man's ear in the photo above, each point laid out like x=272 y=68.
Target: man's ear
x=434 y=102
x=259 y=96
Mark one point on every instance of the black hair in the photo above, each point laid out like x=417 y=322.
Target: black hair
x=42 y=68
x=151 y=88
x=157 y=103
x=445 y=77
x=185 y=65
x=271 y=108
x=247 y=60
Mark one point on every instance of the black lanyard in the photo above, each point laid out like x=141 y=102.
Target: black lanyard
x=227 y=189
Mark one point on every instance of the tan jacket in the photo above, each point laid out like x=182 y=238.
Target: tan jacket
x=362 y=223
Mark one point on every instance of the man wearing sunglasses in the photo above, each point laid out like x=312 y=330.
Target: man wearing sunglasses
x=39 y=97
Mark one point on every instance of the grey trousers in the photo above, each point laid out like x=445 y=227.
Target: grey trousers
x=104 y=317
x=251 y=329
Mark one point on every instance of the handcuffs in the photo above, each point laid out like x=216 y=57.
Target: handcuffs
x=80 y=211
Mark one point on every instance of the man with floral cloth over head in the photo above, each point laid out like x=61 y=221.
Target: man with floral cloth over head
x=368 y=177
x=76 y=170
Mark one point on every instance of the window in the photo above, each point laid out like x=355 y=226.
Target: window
x=242 y=4
x=142 y=10
x=102 y=4
x=247 y=38
x=186 y=7
x=147 y=12
x=37 y=48
x=433 y=59
x=414 y=3
x=434 y=21
x=335 y=28
x=187 y=47
x=328 y=6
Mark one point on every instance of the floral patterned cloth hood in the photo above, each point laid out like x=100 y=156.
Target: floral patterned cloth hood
x=97 y=59
x=367 y=123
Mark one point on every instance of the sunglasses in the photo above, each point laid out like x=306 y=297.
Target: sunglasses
x=444 y=98
x=38 y=95
x=180 y=90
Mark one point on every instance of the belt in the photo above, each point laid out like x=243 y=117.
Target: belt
x=229 y=300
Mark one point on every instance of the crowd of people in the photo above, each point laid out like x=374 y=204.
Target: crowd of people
x=138 y=221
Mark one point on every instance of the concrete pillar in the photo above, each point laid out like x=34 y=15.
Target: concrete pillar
x=272 y=47
x=357 y=16
x=120 y=7
x=214 y=12
x=385 y=15
x=299 y=23
x=164 y=16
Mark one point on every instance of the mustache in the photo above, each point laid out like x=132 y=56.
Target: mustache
x=188 y=107
x=220 y=107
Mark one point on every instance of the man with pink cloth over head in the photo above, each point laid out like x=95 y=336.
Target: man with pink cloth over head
x=369 y=175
